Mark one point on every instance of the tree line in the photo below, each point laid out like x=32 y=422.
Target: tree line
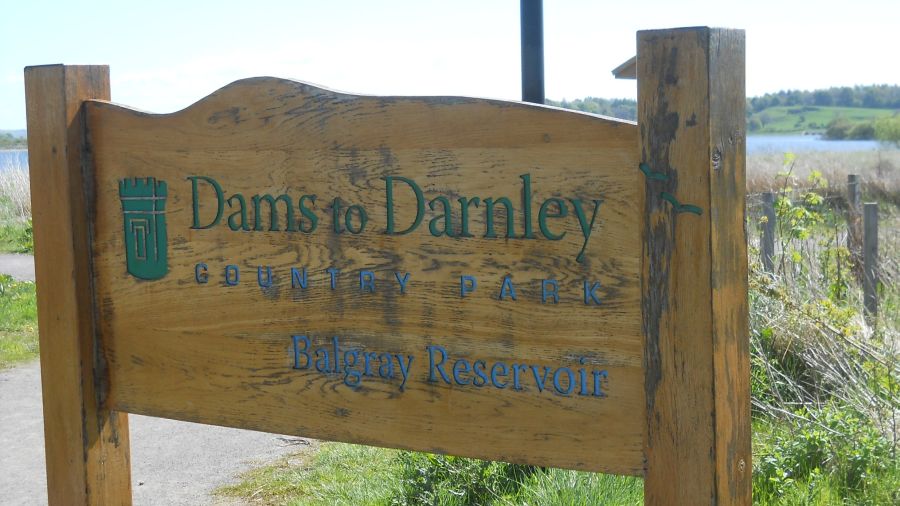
x=8 y=141
x=879 y=96
x=624 y=108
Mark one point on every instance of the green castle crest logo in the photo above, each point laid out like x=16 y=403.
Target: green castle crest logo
x=143 y=208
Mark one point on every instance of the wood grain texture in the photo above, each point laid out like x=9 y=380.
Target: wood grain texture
x=729 y=277
x=86 y=444
x=690 y=112
x=222 y=354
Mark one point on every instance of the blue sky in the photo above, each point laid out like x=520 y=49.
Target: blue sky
x=167 y=54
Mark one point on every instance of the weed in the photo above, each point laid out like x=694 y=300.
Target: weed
x=18 y=321
x=444 y=480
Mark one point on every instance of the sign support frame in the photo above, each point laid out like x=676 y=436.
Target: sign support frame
x=691 y=101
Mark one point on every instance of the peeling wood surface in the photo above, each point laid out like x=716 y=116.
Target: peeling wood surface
x=690 y=112
x=223 y=355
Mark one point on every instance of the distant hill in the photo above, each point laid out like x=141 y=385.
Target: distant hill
x=13 y=139
x=810 y=119
x=879 y=96
x=838 y=112
x=624 y=108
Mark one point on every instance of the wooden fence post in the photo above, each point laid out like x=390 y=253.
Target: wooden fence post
x=853 y=192
x=86 y=444
x=767 y=242
x=691 y=103
x=870 y=258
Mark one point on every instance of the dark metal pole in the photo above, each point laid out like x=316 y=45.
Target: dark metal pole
x=532 y=12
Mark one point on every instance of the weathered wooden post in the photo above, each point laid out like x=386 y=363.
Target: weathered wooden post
x=691 y=103
x=870 y=258
x=86 y=443
x=853 y=192
x=767 y=241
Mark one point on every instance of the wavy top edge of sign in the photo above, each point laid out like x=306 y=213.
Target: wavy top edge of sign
x=283 y=86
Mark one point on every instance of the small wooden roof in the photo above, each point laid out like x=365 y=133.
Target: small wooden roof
x=627 y=70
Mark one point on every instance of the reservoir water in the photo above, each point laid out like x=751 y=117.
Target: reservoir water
x=799 y=143
x=12 y=158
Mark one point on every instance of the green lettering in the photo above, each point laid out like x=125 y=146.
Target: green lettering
x=545 y=212
x=464 y=215
x=308 y=214
x=489 y=217
x=526 y=205
x=586 y=229
x=446 y=218
x=389 y=202
x=273 y=211
x=195 y=198
x=241 y=213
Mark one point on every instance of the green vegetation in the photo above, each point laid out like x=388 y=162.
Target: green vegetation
x=18 y=313
x=9 y=141
x=797 y=119
x=18 y=321
x=839 y=113
x=338 y=473
x=16 y=237
x=887 y=130
x=825 y=378
x=329 y=474
x=623 y=108
x=15 y=210
x=881 y=96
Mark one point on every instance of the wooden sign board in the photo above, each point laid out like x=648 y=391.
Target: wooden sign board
x=465 y=276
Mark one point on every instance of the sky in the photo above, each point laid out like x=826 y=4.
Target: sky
x=165 y=54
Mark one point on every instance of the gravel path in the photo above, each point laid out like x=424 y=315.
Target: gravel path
x=172 y=463
x=20 y=267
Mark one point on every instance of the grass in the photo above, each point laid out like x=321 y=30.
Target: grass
x=15 y=209
x=326 y=474
x=557 y=487
x=339 y=473
x=18 y=322
x=16 y=237
x=18 y=313
x=797 y=119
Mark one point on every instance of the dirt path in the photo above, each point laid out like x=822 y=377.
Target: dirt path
x=172 y=463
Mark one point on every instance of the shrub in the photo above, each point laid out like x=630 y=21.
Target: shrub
x=887 y=130
x=862 y=131
x=837 y=129
x=438 y=479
